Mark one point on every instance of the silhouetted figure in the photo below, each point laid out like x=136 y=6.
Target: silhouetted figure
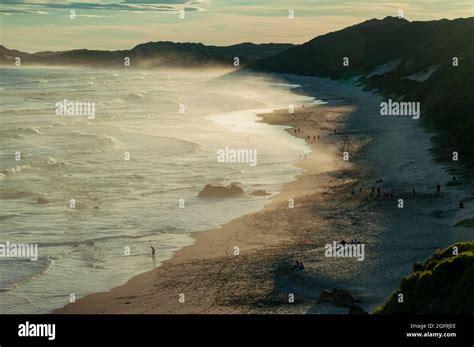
x=454 y=178
x=438 y=188
x=360 y=189
x=299 y=129
x=334 y=131
x=152 y=251
x=461 y=205
x=308 y=137
x=299 y=265
x=414 y=191
x=295 y=130
x=353 y=193
x=318 y=137
x=343 y=242
x=314 y=137
x=378 y=192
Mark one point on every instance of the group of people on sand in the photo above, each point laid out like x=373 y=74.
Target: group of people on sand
x=389 y=194
x=352 y=242
x=308 y=137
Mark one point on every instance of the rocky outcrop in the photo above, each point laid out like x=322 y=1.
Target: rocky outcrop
x=260 y=192
x=221 y=191
x=356 y=309
x=339 y=297
x=343 y=298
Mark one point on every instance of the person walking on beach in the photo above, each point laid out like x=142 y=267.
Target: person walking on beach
x=378 y=192
x=153 y=251
x=413 y=190
x=438 y=188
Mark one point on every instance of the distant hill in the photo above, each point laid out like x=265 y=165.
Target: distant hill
x=151 y=54
x=373 y=43
x=7 y=56
x=402 y=60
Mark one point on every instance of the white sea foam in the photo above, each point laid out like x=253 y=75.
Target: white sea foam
x=120 y=202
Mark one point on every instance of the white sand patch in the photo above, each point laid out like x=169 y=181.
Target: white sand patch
x=422 y=75
x=385 y=68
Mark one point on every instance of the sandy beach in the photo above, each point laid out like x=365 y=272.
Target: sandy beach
x=332 y=202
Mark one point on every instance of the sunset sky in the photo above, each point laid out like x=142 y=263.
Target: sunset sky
x=36 y=25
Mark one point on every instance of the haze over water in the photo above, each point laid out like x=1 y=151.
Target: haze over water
x=123 y=203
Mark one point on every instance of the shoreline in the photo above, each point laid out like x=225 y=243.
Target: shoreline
x=259 y=279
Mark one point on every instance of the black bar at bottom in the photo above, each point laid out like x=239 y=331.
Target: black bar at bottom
x=455 y=330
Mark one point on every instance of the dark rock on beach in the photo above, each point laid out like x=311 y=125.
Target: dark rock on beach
x=260 y=192
x=339 y=297
x=356 y=309
x=221 y=191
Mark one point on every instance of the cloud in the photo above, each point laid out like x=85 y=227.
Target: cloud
x=15 y=10
x=26 y=6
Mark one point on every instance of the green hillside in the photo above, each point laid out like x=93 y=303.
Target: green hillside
x=444 y=284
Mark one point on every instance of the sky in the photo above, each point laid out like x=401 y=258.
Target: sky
x=38 y=25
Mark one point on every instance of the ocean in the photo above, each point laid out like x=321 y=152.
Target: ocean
x=94 y=192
